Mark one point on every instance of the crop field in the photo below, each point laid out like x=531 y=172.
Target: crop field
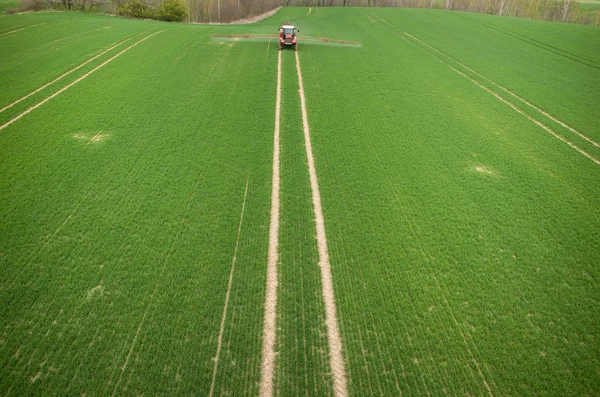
x=4 y=4
x=408 y=205
x=590 y=5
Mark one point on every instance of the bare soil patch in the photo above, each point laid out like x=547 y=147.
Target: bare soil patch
x=98 y=137
x=483 y=170
x=97 y=290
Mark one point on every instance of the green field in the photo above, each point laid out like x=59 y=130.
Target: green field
x=459 y=171
x=4 y=4
x=591 y=6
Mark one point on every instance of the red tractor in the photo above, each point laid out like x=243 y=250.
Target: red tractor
x=288 y=36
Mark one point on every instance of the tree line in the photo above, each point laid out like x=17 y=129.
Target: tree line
x=225 y=11
x=547 y=10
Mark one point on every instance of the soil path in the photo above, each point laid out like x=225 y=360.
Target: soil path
x=267 y=369
x=3 y=126
x=336 y=358
x=243 y=21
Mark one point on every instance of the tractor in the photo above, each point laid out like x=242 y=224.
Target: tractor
x=288 y=36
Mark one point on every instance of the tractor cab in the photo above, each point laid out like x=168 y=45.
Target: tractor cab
x=288 y=36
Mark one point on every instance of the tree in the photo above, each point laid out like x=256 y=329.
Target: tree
x=172 y=11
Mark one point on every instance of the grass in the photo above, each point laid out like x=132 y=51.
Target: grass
x=590 y=6
x=463 y=237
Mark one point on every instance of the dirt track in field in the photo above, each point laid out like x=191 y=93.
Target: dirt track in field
x=66 y=73
x=522 y=100
x=267 y=368
x=243 y=21
x=331 y=322
x=537 y=122
x=556 y=120
x=3 y=126
x=495 y=94
x=336 y=358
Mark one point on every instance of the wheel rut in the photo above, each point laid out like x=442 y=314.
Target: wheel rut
x=334 y=340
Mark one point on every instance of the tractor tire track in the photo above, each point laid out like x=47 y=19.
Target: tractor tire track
x=18 y=30
x=501 y=98
x=537 y=122
x=536 y=43
x=336 y=358
x=303 y=16
x=66 y=73
x=548 y=115
x=224 y=316
x=3 y=126
x=267 y=368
